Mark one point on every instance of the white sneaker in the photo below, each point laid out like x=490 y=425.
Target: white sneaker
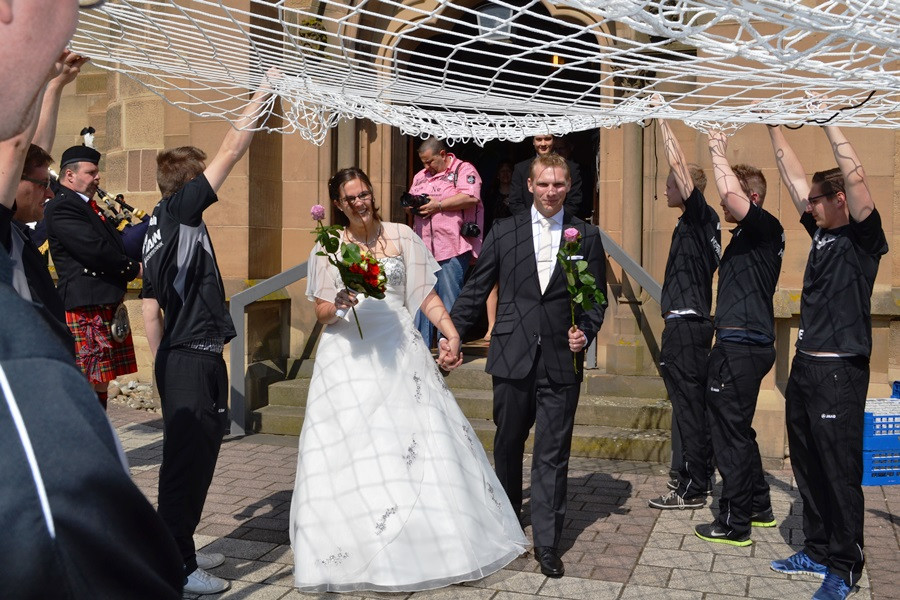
x=201 y=582
x=209 y=560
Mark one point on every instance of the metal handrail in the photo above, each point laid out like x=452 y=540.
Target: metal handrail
x=237 y=306
x=634 y=270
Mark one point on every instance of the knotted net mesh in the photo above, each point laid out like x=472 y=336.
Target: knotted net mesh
x=476 y=71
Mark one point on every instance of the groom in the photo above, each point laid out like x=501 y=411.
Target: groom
x=533 y=345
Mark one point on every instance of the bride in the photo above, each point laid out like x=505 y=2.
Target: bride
x=393 y=489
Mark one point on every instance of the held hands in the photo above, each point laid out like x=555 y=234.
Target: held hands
x=577 y=339
x=449 y=356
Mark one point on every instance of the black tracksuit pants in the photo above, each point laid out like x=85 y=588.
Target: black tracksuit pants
x=193 y=390
x=826 y=403
x=734 y=376
x=682 y=363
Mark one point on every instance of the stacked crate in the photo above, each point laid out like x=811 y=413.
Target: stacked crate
x=881 y=442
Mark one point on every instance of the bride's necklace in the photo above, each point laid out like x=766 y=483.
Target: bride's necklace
x=367 y=243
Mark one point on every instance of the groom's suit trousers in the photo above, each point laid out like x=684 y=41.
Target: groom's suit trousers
x=550 y=407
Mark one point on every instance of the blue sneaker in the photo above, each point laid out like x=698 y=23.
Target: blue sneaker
x=799 y=564
x=833 y=588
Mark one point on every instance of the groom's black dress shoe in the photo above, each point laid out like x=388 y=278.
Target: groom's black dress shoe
x=551 y=565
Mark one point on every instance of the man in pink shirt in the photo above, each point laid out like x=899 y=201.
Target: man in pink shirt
x=449 y=191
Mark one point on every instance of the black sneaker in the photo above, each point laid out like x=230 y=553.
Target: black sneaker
x=714 y=532
x=673 y=500
x=763 y=518
x=672 y=484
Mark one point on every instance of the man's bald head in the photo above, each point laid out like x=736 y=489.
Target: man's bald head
x=34 y=34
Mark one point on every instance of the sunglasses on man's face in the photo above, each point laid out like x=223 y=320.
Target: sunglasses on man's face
x=814 y=199
x=45 y=183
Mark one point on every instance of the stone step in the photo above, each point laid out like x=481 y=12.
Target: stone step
x=277 y=420
x=471 y=375
x=608 y=411
x=591 y=441
x=291 y=392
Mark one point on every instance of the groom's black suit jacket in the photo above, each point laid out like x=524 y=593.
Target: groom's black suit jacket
x=524 y=314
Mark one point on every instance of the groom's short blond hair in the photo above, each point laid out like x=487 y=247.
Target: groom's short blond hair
x=550 y=160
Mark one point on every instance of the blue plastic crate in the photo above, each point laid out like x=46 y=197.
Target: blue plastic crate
x=881 y=427
x=881 y=468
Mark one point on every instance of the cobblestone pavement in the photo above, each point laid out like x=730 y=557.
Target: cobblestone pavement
x=615 y=547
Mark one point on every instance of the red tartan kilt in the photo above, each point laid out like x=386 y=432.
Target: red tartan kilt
x=98 y=356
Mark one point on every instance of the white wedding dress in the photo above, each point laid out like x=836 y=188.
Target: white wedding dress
x=393 y=489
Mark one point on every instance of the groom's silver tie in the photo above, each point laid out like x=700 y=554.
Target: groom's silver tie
x=545 y=258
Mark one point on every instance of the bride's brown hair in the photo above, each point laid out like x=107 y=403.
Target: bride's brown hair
x=336 y=183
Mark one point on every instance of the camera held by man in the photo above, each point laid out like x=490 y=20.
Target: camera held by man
x=414 y=201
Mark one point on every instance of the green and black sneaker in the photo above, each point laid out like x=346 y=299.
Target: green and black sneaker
x=714 y=532
x=765 y=518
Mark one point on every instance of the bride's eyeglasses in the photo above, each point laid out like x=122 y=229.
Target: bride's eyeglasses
x=364 y=197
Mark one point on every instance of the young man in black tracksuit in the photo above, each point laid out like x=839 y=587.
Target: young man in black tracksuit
x=744 y=350
x=188 y=325
x=686 y=338
x=826 y=391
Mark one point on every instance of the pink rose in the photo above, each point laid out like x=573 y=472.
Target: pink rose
x=317 y=212
x=571 y=234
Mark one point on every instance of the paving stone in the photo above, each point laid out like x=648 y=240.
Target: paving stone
x=511 y=581
x=280 y=554
x=774 y=550
x=783 y=587
x=283 y=577
x=253 y=571
x=516 y=596
x=672 y=541
x=581 y=570
x=455 y=592
x=244 y=549
x=644 y=592
x=743 y=565
x=612 y=574
x=245 y=590
x=650 y=576
x=698 y=561
x=701 y=581
x=580 y=589
x=668 y=524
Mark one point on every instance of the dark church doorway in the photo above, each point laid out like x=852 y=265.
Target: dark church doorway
x=582 y=148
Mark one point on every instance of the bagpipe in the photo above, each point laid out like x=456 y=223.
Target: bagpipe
x=131 y=222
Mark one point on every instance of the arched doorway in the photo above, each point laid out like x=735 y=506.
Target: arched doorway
x=458 y=56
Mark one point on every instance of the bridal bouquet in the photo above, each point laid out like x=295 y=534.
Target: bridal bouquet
x=359 y=271
x=582 y=285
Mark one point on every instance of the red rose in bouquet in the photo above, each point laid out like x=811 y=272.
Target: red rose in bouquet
x=359 y=270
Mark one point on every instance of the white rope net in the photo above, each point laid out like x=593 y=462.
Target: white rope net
x=478 y=71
